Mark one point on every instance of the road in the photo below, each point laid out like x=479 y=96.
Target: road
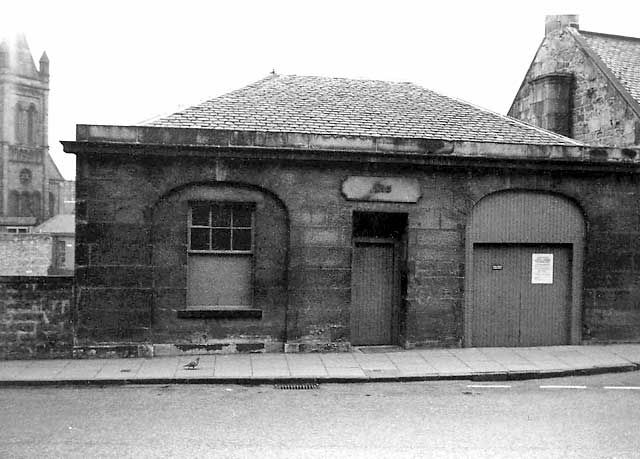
x=581 y=417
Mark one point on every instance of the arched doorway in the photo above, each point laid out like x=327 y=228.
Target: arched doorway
x=524 y=252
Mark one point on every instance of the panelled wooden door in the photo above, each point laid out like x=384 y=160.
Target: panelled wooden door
x=515 y=304
x=374 y=293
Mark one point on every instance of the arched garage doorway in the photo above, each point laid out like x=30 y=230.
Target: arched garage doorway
x=524 y=255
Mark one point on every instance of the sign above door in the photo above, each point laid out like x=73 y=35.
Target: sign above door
x=384 y=189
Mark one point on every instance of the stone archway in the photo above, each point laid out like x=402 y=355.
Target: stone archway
x=524 y=255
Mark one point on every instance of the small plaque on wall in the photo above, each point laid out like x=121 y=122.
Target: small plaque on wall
x=542 y=268
x=385 y=189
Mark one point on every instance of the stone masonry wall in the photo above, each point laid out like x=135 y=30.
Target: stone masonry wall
x=25 y=254
x=115 y=198
x=35 y=317
x=600 y=116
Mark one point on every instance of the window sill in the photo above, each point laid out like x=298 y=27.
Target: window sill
x=222 y=313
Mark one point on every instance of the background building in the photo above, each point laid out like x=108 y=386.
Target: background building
x=584 y=85
x=31 y=186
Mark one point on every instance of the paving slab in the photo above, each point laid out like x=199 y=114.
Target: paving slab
x=158 y=368
x=205 y=367
x=305 y=365
x=478 y=361
x=119 y=369
x=346 y=373
x=379 y=373
x=85 y=369
x=603 y=356
x=508 y=359
x=41 y=370
x=269 y=366
x=631 y=352
x=374 y=362
x=445 y=363
x=411 y=364
x=233 y=366
x=572 y=357
x=541 y=359
x=339 y=360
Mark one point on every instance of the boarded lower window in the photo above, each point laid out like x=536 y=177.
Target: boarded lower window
x=220 y=255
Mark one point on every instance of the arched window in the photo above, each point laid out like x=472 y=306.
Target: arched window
x=36 y=204
x=25 y=205
x=14 y=204
x=21 y=124
x=52 y=204
x=31 y=124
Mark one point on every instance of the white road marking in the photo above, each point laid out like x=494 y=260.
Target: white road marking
x=562 y=387
x=622 y=387
x=491 y=386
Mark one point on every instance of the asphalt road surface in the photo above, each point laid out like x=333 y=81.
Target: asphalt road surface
x=586 y=417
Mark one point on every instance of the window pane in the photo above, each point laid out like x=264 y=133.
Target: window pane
x=199 y=239
x=200 y=215
x=220 y=215
x=242 y=217
x=242 y=239
x=220 y=239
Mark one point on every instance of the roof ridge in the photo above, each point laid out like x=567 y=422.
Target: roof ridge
x=346 y=78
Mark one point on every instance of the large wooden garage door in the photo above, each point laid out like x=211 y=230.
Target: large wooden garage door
x=373 y=293
x=522 y=294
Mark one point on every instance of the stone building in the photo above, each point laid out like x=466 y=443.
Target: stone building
x=584 y=85
x=308 y=213
x=30 y=183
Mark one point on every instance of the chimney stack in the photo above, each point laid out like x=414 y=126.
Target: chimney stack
x=559 y=21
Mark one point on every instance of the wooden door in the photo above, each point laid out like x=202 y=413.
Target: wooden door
x=374 y=293
x=521 y=295
x=545 y=306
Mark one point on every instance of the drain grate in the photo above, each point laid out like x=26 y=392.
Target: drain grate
x=298 y=386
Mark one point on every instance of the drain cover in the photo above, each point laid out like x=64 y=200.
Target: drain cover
x=297 y=386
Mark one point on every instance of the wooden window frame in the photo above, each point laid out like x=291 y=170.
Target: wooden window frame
x=18 y=229
x=226 y=312
x=228 y=204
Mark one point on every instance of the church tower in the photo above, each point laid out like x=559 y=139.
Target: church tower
x=29 y=180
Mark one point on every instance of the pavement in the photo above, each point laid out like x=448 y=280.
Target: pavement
x=372 y=364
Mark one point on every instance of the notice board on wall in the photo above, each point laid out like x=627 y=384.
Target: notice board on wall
x=542 y=268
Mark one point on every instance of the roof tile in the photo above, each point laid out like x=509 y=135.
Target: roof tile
x=340 y=106
x=621 y=55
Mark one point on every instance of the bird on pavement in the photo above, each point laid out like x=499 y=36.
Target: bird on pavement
x=193 y=364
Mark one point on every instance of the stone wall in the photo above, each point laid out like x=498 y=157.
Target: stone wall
x=35 y=317
x=599 y=115
x=25 y=254
x=120 y=279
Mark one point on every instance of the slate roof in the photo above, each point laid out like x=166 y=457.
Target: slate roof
x=347 y=107
x=621 y=55
x=58 y=224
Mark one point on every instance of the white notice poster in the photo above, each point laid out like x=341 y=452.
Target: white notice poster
x=542 y=268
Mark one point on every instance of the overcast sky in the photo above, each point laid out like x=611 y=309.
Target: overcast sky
x=122 y=62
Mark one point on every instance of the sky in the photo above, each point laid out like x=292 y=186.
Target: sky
x=123 y=62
